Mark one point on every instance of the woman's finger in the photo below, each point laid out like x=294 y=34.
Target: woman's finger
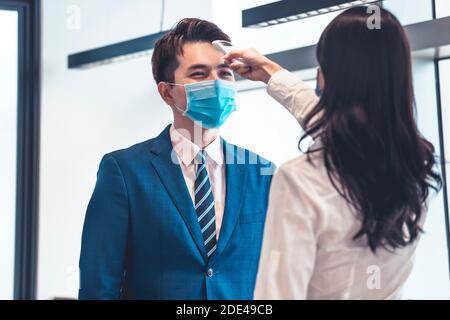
x=244 y=72
x=234 y=55
x=235 y=65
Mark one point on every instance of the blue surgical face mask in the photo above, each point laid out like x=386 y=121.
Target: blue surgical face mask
x=209 y=102
x=318 y=91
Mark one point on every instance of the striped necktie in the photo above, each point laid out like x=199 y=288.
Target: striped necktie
x=204 y=205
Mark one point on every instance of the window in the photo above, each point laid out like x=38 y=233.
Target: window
x=19 y=138
x=429 y=278
x=444 y=75
x=8 y=141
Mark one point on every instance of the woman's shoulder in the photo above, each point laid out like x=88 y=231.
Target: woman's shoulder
x=305 y=166
x=308 y=173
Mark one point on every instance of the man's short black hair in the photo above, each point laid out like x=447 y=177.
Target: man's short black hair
x=164 y=59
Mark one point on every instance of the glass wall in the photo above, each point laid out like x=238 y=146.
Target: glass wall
x=430 y=276
x=444 y=74
x=8 y=140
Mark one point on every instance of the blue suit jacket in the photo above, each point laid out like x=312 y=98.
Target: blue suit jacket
x=141 y=238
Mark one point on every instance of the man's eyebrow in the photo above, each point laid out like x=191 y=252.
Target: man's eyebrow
x=223 y=65
x=205 y=66
x=199 y=66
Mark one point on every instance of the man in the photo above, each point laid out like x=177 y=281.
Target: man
x=180 y=216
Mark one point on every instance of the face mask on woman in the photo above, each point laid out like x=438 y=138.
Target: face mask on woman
x=319 y=80
x=318 y=91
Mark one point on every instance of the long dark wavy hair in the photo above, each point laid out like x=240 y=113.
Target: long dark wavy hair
x=374 y=154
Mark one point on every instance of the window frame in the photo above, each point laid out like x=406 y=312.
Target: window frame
x=28 y=137
x=442 y=141
x=442 y=155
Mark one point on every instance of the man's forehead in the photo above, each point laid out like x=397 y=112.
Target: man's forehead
x=200 y=53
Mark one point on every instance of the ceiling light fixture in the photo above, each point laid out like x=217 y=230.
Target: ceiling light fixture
x=290 y=10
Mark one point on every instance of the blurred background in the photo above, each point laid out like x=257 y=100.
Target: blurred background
x=57 y=119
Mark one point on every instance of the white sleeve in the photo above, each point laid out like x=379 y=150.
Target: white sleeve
x=289 y=245
x=295 y=95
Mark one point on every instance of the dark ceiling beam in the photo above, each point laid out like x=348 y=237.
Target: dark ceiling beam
x=118 y=51
x=432 y=37
x=291 y=10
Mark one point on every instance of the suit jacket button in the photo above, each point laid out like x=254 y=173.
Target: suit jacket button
x=210 y=272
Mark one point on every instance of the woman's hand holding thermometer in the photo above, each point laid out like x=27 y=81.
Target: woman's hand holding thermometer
x=248 y=63
x=226 y=47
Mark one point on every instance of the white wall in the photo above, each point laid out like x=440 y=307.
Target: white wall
x=87 y=113
x=410 y=11
x=442 y=8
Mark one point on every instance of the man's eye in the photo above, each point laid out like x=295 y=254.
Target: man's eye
x=227 y=74
x=198 y=74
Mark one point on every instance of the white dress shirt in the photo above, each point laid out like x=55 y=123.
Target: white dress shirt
x=308 y=248
x=186 y=152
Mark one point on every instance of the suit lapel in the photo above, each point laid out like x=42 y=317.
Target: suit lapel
x=172 y=178
x=236 y=178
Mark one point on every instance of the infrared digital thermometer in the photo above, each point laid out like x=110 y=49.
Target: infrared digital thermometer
x=226 y=47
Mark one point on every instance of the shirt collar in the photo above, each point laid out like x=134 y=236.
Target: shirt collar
x=187 y=150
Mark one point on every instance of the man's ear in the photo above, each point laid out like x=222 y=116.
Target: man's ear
x=165 y=91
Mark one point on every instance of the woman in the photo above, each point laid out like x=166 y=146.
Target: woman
x=344 y=219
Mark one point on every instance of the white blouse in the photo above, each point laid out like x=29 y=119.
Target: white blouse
x=308 y=248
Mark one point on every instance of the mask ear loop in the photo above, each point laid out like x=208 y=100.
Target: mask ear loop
x=183 y=112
